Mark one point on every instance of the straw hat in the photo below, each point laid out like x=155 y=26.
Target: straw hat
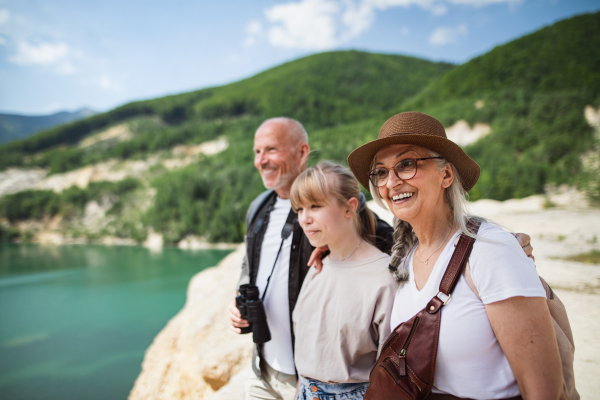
x=418 y=129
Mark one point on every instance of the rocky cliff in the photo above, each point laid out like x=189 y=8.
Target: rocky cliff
x=196 y=356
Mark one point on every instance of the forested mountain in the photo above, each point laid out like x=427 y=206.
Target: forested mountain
x=320 y=90
x=15 y=126
x=532 y=93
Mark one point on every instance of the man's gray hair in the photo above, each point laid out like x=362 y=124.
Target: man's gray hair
x=294 y=128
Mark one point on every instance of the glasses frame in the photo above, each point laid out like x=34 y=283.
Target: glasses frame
x=371 y=173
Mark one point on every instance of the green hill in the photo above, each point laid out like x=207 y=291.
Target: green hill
x=532 y=93
x=210 y=198
x=561 y=57
x=320 y=90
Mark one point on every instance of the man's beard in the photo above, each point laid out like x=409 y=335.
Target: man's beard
x=283 y=180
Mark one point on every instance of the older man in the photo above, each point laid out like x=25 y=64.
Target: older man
x=280 y=154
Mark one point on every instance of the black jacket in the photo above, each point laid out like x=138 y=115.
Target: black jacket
x=299 y=254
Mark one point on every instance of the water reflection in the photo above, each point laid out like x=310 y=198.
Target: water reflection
x=75 y=320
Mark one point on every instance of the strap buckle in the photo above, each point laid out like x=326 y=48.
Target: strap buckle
x=444 y=301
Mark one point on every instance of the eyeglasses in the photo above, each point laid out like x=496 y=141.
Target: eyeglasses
x=405 y=170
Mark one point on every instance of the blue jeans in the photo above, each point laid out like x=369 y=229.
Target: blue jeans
x=311 y=389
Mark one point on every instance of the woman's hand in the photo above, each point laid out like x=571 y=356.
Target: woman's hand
x=525 y=331
x=317 y=256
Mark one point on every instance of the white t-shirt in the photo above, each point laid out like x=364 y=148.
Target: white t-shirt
x=470 y=362
x=277 y=352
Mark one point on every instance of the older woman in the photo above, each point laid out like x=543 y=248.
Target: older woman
x=498 y=343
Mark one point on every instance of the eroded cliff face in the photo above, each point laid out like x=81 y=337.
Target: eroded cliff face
x=196 y=356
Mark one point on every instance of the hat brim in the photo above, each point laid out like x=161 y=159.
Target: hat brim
x=361 y=158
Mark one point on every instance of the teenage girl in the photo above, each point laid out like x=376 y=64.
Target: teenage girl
x=341 y=318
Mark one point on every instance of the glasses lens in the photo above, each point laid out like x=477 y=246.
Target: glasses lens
x=406 y=169
x=379 y=176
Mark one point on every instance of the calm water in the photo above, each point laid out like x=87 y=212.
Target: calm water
x=75 y=320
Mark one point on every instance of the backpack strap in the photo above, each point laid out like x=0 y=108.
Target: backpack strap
x=256 y=205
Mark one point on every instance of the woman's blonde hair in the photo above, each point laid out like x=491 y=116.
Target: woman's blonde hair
x=327 y=182
x=404 y=236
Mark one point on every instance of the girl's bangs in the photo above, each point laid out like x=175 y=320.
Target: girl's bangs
x=309 y=188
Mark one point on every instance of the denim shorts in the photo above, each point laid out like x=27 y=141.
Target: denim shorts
x=311 y=389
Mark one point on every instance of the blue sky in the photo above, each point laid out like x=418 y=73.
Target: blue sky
x=67 y=54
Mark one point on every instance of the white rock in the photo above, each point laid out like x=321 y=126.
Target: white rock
x=15 y=180
x=154 y=241
x=462 y=134
x=197 y=354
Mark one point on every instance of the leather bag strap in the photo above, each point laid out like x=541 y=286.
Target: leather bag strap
x=459 y=259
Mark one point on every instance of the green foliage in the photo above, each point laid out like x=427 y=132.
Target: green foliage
x=533 y=143
x=324 y=89
x=209 y=198
x=36 y=204
x=591 y=257
x=30 y=204
x=8 y=234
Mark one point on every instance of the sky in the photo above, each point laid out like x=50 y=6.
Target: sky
x=67 y=54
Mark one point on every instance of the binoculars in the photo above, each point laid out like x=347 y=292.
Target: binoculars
x=251 y=307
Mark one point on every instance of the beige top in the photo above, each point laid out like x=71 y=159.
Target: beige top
x=341 y=319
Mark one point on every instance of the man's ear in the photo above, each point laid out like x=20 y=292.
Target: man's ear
x=352 y=205
x=303 y=152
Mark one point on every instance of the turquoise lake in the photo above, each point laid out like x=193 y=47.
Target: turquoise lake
x=75 y=321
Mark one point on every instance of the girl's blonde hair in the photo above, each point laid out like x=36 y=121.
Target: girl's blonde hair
x=327 y=182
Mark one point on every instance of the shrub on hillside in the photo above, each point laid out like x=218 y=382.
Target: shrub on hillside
x=36 y=204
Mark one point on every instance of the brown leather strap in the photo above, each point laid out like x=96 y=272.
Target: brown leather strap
x=440 y=396
x=459 y=259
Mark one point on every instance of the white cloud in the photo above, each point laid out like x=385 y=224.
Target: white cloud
x=4 y=16
x=65 y=68
x=253 y=32
x=308 y=24
x=2 y=40
x=446 y=35
x=356 y=19
x=43 y=53
x=325 y=24
x=254 y=27
x=482 y=3
x=107 y=83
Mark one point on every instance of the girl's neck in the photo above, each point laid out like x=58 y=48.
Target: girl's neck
x=346 y=248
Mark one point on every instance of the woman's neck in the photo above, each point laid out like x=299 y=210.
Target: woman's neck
x=432 y=229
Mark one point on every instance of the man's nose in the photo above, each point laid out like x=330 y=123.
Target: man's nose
x=261 y=159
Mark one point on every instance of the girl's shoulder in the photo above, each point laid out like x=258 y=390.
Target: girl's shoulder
x=376 y=269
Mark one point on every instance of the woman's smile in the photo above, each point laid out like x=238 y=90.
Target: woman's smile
x=402 y=197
